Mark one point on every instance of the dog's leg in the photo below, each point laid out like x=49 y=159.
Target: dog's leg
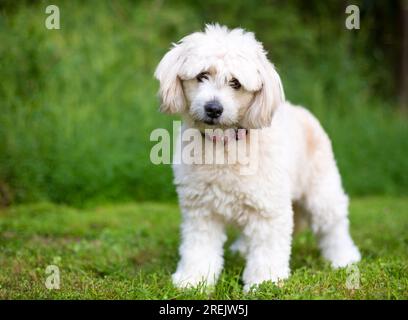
x=328 y=209
x=269 y=244
x=201 y=251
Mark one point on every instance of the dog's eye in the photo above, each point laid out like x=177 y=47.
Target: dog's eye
x=234 y=83
x=201 y=76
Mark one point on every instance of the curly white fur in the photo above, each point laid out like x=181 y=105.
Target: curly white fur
x=296 y=163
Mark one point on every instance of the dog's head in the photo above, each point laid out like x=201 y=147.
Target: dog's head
x=220 y=78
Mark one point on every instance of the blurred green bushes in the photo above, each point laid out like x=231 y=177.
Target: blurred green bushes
x=77 y=105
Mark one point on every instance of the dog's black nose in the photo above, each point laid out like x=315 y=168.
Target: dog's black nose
x=213 y=109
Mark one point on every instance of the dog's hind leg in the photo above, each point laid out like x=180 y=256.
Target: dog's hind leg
x=327 y=205
x=240 y=246
x=300 y=218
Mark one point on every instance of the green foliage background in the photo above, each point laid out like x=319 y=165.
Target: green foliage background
x=77 y=105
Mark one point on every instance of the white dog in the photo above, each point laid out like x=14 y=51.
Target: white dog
x=222 y=78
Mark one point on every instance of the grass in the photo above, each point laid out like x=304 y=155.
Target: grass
x=129 y=251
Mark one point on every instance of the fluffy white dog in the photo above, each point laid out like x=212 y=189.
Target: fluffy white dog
x=222 y=78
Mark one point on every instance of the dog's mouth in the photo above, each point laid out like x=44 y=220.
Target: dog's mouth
x=214 y=124
x=211 y=122
x=203 y=125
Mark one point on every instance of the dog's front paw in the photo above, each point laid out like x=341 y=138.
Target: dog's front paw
x=342 y=256
x=191 y=279
x=253 y=278
x=183 y=280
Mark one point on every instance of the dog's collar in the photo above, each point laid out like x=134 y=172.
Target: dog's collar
x=227 y=135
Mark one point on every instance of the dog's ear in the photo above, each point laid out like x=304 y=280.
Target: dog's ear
x=171 y=90
x=268 y=98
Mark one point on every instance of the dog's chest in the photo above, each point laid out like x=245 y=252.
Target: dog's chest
x=221 y=190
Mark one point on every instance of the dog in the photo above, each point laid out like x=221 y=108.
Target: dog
x=222 y=79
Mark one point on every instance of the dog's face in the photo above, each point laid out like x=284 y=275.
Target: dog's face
x=215 y=100
x=220 y=78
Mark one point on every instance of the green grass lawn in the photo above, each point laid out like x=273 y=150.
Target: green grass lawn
x=129 y=252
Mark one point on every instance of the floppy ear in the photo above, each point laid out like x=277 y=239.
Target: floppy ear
x=171 y=91
x=268 y=98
